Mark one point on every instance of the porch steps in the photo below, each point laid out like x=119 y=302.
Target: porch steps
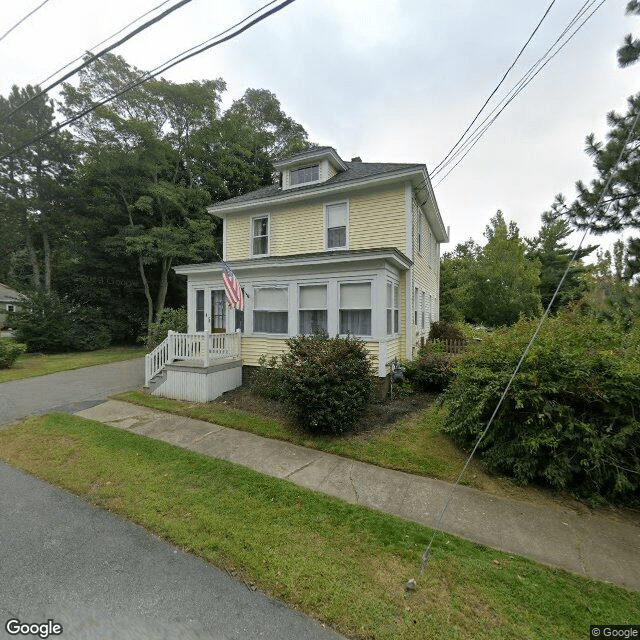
x=155 y=382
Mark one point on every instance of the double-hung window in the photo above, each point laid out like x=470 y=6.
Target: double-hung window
x=422 y=309
x=355 y=308
x=11 y=308
x=199 y=309
x=392 y=308
x=313 y=308
x=260 y=236
x=337 y=223
x=271 y=310
x=415 y=306
x=304 y=175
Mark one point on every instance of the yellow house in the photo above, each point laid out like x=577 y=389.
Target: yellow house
x=349 y=247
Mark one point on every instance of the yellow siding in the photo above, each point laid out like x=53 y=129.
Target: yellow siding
x=374 y=351
x=253 y=348
x=394 y=350
x=297 y=229
x=331 y=171
x=238 y=237
x=377 y=219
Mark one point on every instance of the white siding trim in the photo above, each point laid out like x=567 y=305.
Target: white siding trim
x=408 y=212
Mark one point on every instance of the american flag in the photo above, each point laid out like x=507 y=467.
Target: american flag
x=232 y=289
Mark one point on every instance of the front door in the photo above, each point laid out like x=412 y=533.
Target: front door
x=218 y=311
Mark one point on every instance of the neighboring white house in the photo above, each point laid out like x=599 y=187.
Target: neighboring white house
x=10 y=300
x=349 y=247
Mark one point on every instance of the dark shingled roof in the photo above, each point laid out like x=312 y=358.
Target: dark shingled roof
x=355 y=171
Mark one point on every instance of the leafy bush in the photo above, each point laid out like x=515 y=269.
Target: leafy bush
x=326 y=382
x=571 y=419
x=431 y=370
x=442 y=330
x=9 y=352
x=170 y=320
x=48 y=323
x=268 y=379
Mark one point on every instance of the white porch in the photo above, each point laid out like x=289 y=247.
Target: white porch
x=197 y=367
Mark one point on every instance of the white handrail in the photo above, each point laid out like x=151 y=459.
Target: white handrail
x=191 y=346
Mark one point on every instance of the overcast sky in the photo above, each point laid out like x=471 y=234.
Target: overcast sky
x=386 y=80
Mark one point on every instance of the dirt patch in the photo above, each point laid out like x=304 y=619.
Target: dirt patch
x=380 y=417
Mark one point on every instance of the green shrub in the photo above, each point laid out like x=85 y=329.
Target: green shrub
x=442 y=330
x=326 y=382
x=430 y=371
x=47 y=323
x=571 y=420
x=9 y=352
x=170 y=320
x=268 y=378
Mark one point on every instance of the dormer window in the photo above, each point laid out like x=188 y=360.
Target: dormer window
x=304 y=175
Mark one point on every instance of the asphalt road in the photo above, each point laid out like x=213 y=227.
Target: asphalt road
x=102 y=577
x=68 y=391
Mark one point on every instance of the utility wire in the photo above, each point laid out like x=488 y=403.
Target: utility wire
x=189 y=53
x=93 y=58
x=601 y=200
x=524 y=81
x=95 y=46
x=506 y=73
x=17 y=24
x=516 y=90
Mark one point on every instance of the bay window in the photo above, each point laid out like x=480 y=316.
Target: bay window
x=393 y=311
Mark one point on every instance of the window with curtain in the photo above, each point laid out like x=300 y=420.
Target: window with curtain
x=355 y=308
x=313 y=308
x=304 y=175
x=392 y=308
x=271 y=310
x=337 y=220
x=260 y=236
x=199 y=309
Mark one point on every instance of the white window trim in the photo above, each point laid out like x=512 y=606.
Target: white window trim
x=304 y=184
x=251 y=236
x=366 y=337
x=11 y=307
x=254 y=309
x=394 y=285
x=420 y=233
x=326 y=226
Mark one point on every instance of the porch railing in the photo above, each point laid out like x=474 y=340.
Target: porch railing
x=206 y=347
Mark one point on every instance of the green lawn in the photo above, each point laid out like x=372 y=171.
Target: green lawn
x=343 y=564
x=30 y=365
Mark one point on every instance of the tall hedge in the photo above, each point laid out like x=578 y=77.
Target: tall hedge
x=571 y=420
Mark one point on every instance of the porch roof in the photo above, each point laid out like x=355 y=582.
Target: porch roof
x=330 y=258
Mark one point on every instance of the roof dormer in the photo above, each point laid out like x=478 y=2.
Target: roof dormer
x=314 y=166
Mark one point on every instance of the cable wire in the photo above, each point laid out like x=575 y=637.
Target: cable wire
x=95 y=46
x=506 y=73
x=172 y=62
x=88 y=61
x=427 y=552
x=17 y=24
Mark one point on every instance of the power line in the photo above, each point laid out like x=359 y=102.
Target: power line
x=88 y=61
x=17 y=24
x=95 y=46
x=172 y=62
x=506 y=73
x=601 y=200
x=515 y=91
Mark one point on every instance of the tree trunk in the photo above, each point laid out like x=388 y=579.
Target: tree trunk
x=33 y=257
x=147 y=294
x=47 y=261
x=162 y=289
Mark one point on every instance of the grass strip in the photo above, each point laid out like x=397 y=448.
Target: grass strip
x=31 y=365
x=338 y=562
x=414 y=446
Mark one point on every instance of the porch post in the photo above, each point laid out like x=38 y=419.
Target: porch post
x=207 y=338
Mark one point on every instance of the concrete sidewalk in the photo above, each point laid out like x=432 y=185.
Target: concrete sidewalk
x=593 y=545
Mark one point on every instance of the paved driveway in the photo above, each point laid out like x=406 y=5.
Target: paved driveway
x=102 y=577
x=68 y=391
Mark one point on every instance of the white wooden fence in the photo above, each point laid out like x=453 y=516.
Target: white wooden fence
x=205 y=347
